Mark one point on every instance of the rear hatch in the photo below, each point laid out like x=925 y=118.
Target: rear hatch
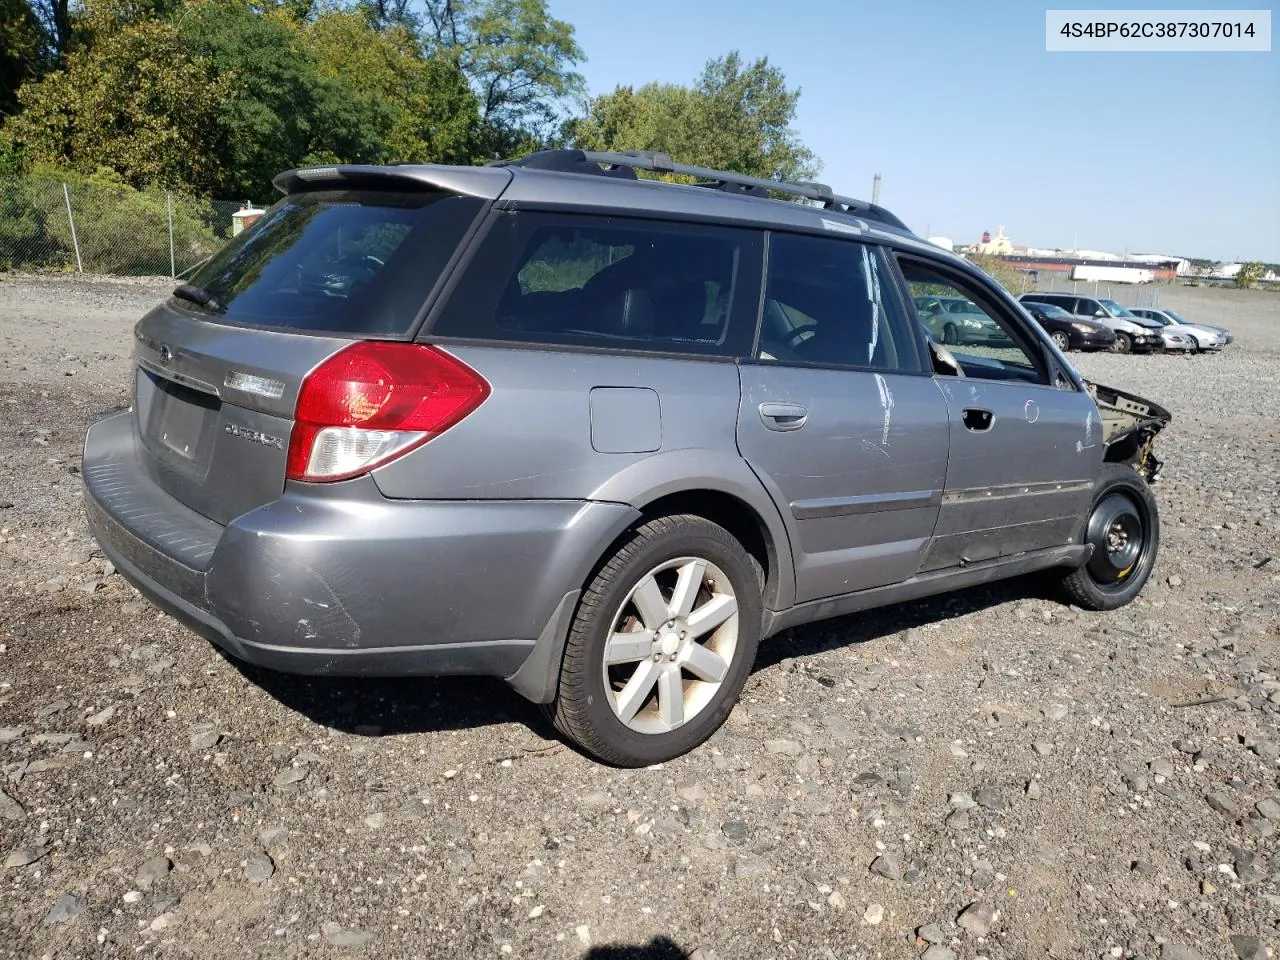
x=219 y=365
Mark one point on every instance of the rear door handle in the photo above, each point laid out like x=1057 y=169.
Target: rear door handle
x=784 y=416
x=979 y=421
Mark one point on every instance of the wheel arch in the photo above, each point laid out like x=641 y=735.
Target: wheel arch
x=719 y=487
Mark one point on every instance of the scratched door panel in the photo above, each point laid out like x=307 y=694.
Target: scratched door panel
x=859 y=482
x=1023 y=482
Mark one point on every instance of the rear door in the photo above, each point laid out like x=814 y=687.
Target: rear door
x=220 y=364
x=838 y=418
x=1025 y=447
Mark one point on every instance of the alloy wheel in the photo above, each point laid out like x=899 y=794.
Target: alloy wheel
x=670 y=645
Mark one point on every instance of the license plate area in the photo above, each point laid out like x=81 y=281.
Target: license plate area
x=181 y=424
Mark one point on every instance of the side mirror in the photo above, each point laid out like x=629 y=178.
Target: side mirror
x=944 y=362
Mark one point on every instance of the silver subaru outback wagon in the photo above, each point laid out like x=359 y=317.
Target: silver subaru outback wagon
x=595 y=434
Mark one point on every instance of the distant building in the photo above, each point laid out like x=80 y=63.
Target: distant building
x=1036 y=259
x=946 y=243
x=997 y=246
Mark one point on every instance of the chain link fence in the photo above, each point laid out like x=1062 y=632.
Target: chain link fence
x=93 y=228
x=1144 y=295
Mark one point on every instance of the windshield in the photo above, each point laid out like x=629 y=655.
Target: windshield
x=1177 y=317
x=1116 y=310
x=1050 y=310
x=360 y=262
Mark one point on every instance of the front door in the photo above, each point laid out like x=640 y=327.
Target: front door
x=839 y=418
x=1024 y=450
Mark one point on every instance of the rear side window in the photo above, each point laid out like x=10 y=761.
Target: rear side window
x=355 y=262
x=834 y=303
x=609 y=282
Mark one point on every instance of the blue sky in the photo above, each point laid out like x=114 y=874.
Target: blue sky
x=973 y=125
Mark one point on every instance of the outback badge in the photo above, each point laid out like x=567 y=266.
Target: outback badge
x=257 y=436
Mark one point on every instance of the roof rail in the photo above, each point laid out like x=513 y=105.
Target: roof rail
x=624 y=164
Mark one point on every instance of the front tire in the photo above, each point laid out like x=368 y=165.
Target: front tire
x=1123 y=527
x=949 y=335
x=1061 y=340
x=662 y=643
x=1123 y=344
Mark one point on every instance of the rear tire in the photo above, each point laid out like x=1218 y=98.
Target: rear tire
x=645 y=677
x=1124 y=528
x=1123 y=344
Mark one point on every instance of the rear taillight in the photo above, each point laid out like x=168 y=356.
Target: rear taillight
x=375 y=401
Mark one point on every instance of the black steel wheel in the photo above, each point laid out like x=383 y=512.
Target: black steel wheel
x=1123 y=527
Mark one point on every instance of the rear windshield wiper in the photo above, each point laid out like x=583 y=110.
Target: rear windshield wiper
x=198 y=295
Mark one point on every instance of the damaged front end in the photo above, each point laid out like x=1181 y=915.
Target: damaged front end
x=1129 y=427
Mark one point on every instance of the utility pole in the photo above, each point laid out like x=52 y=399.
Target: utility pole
x=875 y=189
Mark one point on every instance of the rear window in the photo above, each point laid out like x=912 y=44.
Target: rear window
x=609 y=282
x=355 y=262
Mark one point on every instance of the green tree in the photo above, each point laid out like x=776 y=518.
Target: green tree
x=424 y=108
x=519 y=60
x=1250 y=273
x=273 y=99
x=1015 y=281
x=23 y=51
x=736 y=117
x=136 y=101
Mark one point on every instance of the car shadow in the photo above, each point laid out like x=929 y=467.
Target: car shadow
x=659 y=948
x=386 y=707
x=880 y=622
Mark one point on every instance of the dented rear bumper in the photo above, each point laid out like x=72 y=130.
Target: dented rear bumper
x=337 y=579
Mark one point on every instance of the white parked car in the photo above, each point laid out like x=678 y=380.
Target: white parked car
x=1202 y=337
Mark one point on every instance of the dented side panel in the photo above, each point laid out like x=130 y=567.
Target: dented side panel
x=1022 y=483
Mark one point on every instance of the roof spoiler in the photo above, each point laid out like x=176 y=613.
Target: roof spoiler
x=486 y=182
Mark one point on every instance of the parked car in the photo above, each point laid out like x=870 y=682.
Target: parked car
x=1132 y=336
x=1176 y=341
x=1199 y=336
x=1070 y=332
x=955 y=320
x=1179 y=318
x=596 y=437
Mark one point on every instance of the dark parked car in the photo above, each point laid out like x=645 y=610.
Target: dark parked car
x=1070 y=332
x=1133 y=335
x=599 y=437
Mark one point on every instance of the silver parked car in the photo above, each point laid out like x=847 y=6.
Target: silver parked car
x=596 y=436
x=956 y=320
x=1199 y=336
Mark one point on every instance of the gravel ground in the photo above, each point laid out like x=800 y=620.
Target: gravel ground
x=991 y=774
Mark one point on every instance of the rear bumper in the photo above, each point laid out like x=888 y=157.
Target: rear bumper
x=336 y=579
